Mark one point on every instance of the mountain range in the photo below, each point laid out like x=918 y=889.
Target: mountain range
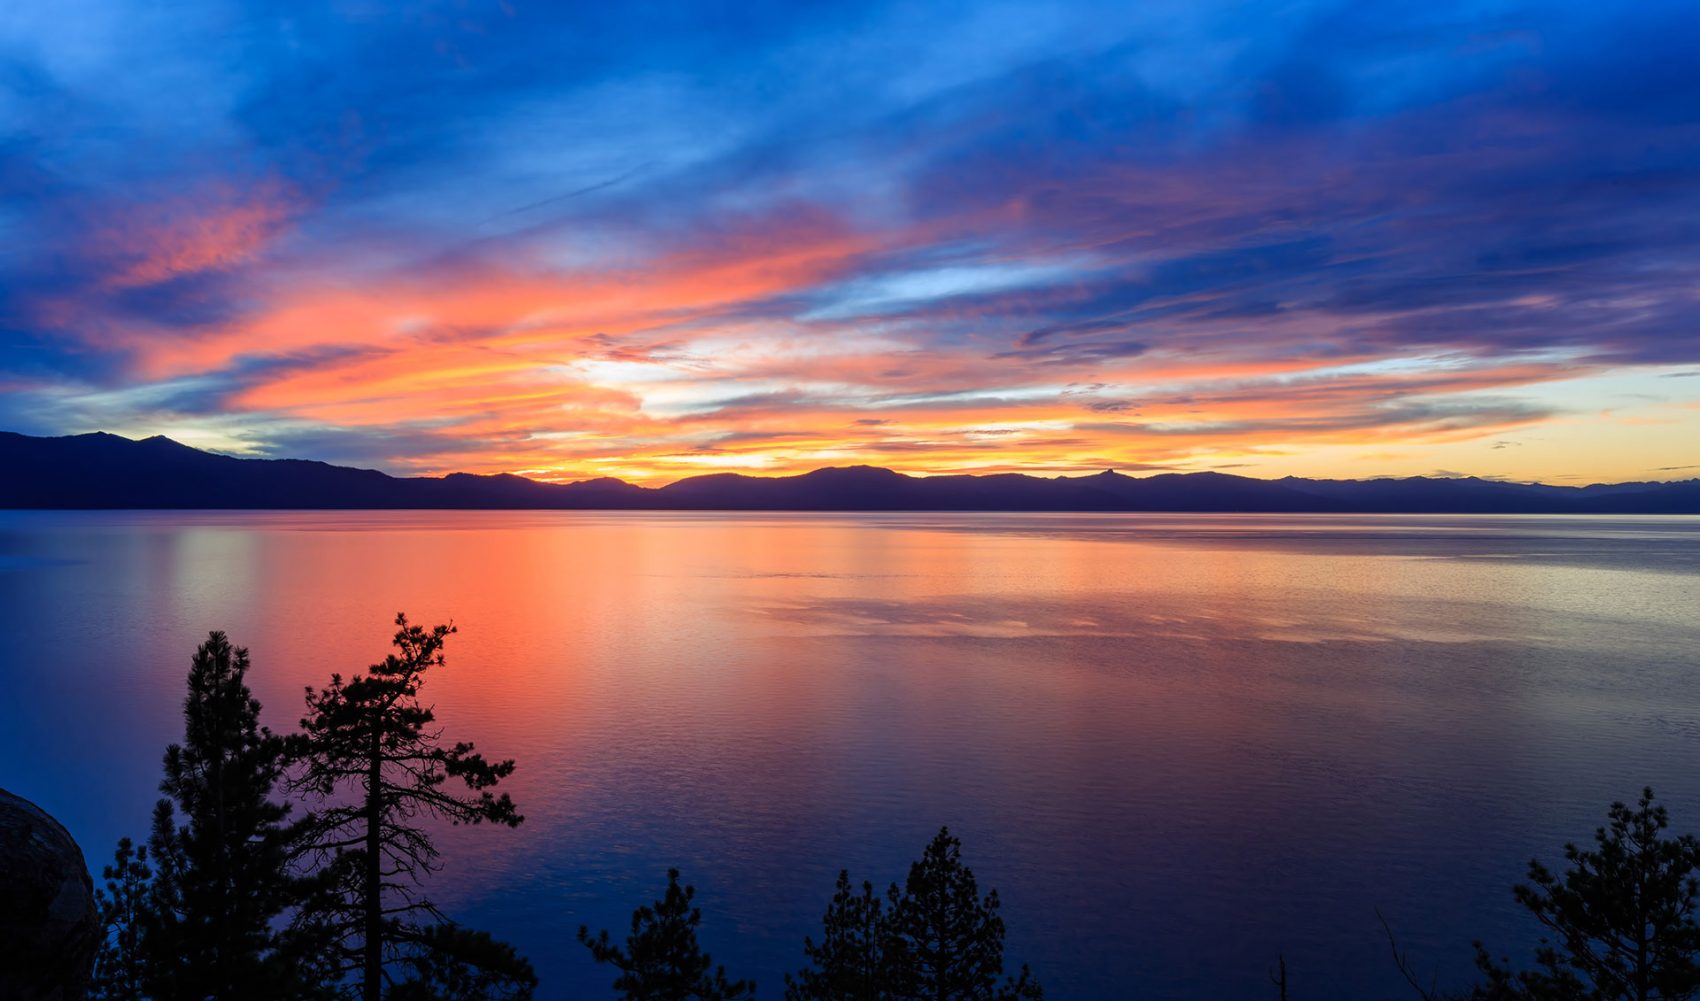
x=108 y=471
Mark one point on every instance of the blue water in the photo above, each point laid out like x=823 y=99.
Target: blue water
x=1178 y=746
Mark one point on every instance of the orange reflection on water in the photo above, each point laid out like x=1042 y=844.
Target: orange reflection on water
x=1156 y=734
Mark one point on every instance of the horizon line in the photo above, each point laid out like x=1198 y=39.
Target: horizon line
x=1151 y=471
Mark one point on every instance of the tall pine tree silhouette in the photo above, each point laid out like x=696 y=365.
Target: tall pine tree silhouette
x=662 y=960
x=220 y=845
x=371 y=752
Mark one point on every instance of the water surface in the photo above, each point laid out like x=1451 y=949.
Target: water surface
x=1178 y=745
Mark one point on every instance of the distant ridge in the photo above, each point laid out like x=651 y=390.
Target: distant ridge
x=106 y=471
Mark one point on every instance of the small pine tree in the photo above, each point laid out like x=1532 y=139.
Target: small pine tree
x=662 y=960
x=946 y=941
x=849 y=963
x=1621 y=917
x=370 y=751
x=936 y=939
x=119 y=970
x=221 y=876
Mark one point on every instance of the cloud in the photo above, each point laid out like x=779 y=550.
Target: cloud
x=211 y=230
x=541 y=238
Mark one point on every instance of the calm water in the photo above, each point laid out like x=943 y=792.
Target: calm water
x=1177 y=745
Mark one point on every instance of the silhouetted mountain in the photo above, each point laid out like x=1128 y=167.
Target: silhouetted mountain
x=107 y=471
x=1209 y=492
x=1470 y=494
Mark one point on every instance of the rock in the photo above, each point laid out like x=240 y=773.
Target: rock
x=49 y=925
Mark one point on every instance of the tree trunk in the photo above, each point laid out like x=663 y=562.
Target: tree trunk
x=374 y=939
x=221 y=868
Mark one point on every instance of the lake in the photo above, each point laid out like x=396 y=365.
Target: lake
x=1179 y=746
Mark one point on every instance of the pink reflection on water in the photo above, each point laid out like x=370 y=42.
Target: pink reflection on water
x=1251 y=729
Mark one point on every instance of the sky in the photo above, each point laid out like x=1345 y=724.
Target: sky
x=655 y=240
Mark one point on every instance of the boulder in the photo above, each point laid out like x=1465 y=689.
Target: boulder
x=49 y=924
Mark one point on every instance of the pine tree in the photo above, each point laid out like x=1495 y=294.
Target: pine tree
x=119 y=970
x=945 y=941
x=221 y=875
x=1621 y=917
x=662 y=960
x=850 y=962
x=372 y=736
x=936 y=939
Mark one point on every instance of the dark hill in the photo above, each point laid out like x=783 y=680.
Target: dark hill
x=107 y=471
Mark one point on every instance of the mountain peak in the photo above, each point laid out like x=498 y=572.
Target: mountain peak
x=862 y=472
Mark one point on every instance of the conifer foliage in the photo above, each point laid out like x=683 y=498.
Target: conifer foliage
x=948 y=941
x=372 y=755
x=451 y=963
x=850 y=961
x=1620 y=921
x=220 y=846
x=120 y=967
x=935 y=939
x=662 y=960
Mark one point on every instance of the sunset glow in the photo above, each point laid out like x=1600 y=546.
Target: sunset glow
x=507 y=238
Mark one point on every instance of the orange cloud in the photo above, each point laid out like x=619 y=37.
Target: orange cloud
x=523 y=310
x=674 y=366
x=208 y=230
